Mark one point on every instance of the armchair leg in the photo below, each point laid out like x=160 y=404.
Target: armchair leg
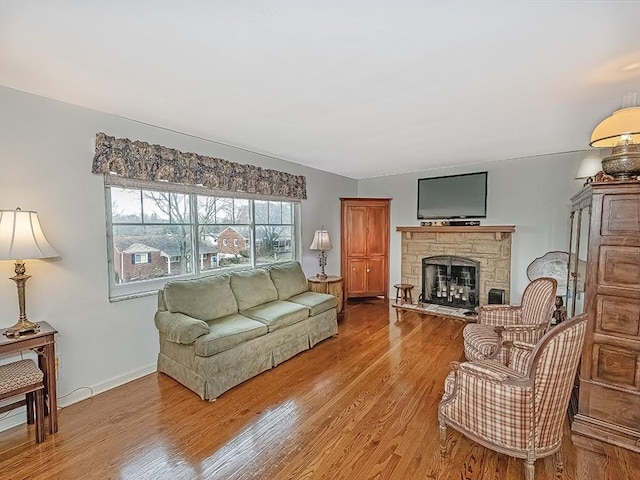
x=529 y=469
x=558 y=462
x=443 y=439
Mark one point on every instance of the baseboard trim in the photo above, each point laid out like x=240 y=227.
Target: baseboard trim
x=18 y=416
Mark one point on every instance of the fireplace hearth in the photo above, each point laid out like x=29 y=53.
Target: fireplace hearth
x=450 y=280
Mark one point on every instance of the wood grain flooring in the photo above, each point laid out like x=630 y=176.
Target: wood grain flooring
x=362 y=405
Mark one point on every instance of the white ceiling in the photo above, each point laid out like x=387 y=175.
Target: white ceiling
x=359 y=88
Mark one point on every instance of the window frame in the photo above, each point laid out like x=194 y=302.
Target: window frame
x=141 y=288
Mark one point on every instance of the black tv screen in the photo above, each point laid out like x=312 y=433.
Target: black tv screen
x=453 y=196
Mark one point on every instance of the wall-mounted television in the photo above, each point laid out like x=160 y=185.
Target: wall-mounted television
x=453 y=196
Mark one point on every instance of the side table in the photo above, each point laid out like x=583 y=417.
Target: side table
x=333 y=285
x=43 y=344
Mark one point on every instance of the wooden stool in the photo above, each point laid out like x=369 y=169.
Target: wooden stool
x=403 y=292
x=24 y=378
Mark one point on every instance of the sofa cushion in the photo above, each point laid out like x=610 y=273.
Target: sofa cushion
x=277 y=314
x=252 y=288
x=228 y=332
x=315 y=302
x=289 y=279
x=205 y=298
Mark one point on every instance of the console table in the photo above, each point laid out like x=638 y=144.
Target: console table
x=43 y=344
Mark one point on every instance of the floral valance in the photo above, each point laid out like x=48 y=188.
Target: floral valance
x=142 y=161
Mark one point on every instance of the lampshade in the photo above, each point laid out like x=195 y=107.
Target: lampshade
x=622 y=126
x=21 y=236
x=589 y=167
x=321 y=241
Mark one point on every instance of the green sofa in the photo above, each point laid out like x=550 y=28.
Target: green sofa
x=220 y=330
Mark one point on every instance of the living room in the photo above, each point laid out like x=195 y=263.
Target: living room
x=47 y=144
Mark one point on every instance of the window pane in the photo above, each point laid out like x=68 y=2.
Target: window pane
x=168 y=251
x=241 y=211
x=206 y=210
x=233 y=246
x=273 y=244
x=125 y=205
x=180 y=211
x=208 y=246
x=275 y=212
x=224 y=210
x=155 y=206
x=287 y=213
x=261 y=211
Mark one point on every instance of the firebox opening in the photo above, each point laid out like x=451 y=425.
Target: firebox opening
x=450 y=280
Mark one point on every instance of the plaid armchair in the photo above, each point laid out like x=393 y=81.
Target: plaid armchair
x=519 y=408
x=499 y=323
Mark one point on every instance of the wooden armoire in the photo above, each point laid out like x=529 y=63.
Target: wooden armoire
x=604 y=281
x=364 y=246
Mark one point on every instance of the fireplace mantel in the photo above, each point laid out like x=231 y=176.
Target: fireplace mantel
x=499 y=230
x=476 y=229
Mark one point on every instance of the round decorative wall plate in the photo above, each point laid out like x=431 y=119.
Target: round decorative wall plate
x=553 y=265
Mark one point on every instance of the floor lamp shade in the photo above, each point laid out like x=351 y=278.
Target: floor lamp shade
x=21 y=238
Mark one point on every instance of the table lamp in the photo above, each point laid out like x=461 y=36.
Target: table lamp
x=621 y=132
x=21 y=238
x=322 y=242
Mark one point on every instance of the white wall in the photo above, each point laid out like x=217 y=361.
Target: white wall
x=530 y=193
x=46 y=149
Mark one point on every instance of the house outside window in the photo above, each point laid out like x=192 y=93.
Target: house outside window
x=187 y=234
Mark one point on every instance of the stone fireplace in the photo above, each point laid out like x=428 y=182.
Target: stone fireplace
x=487 y=250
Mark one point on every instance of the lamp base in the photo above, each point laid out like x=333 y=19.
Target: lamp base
x=22 y=327
x=322 y=259
x=624 y=162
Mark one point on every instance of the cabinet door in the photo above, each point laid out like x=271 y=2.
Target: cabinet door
x=375 y=276
x=376 y=234
x=357 y=276
x=357 y=231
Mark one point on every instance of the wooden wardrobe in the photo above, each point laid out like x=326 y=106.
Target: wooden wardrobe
x=606 y=244
x=364 y=246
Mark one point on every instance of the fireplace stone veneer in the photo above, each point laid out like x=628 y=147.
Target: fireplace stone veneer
x=490 y=246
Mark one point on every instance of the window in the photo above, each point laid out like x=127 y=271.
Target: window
x=140 y=258
x=156 y=235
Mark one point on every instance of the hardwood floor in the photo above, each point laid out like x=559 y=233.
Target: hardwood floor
x=361 y=405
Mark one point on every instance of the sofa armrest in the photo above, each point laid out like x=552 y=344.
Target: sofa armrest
x=180 y=328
